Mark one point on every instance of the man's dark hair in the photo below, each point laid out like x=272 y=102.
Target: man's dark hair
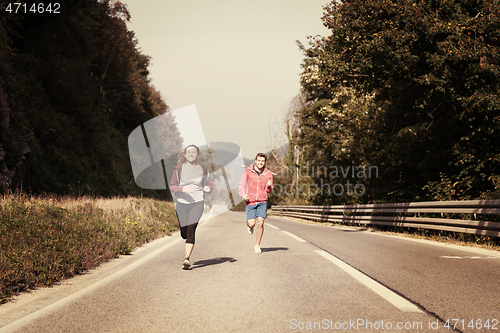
x=261 y=155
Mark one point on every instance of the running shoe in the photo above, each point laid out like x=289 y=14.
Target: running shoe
x=250 y=230
x=185 y=263
x=257 y=249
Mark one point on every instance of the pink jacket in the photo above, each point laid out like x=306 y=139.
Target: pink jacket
x=255 y=186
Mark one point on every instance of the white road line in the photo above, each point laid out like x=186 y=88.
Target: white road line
x=20 y=323
x=272 y=226
x=387 y=294
x=293 y=236
x=481 y=251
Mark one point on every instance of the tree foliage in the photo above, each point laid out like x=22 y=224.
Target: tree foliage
x=410 y=87
x=72 y=87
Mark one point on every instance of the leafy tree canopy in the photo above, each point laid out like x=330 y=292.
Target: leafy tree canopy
x=72 y=87
x=410 y=87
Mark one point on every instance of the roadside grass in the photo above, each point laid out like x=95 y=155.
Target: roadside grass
x=46 y=239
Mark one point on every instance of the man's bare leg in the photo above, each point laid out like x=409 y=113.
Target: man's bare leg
x=250 y=225
x=260 y=230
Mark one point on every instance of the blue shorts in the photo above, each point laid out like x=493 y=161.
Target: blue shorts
x=258 y=210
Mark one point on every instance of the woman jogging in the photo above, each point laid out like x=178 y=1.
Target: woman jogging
x=189 y=183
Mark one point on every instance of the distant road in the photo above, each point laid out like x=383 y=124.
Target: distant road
x=309 y=278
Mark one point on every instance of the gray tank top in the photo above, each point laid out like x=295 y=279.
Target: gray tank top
x=193 y=179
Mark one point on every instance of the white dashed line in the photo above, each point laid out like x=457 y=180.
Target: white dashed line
x=272 y=226
x=293 y=236
x=387 y=294
x=467 y=257
x=485 y=252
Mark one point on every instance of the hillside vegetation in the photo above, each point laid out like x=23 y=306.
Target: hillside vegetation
x=399 y=103
x=72 y=87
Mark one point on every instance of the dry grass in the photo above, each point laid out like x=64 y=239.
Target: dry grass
x=46 y=239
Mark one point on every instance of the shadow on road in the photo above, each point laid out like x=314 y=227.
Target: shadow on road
x=210 y=262
x=272 y=249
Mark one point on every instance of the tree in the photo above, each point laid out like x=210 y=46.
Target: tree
x=284 y=160
x=421 y=80
x=72 y=88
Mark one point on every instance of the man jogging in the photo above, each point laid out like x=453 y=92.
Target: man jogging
x=256 y=182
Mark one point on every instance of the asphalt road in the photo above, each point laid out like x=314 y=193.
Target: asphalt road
x=308 y=278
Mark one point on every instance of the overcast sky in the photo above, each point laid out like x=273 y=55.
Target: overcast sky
x=237 y=61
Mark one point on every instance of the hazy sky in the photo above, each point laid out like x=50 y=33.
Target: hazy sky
x=237 y=61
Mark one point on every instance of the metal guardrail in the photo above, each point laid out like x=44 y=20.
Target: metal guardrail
x=406 y=215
